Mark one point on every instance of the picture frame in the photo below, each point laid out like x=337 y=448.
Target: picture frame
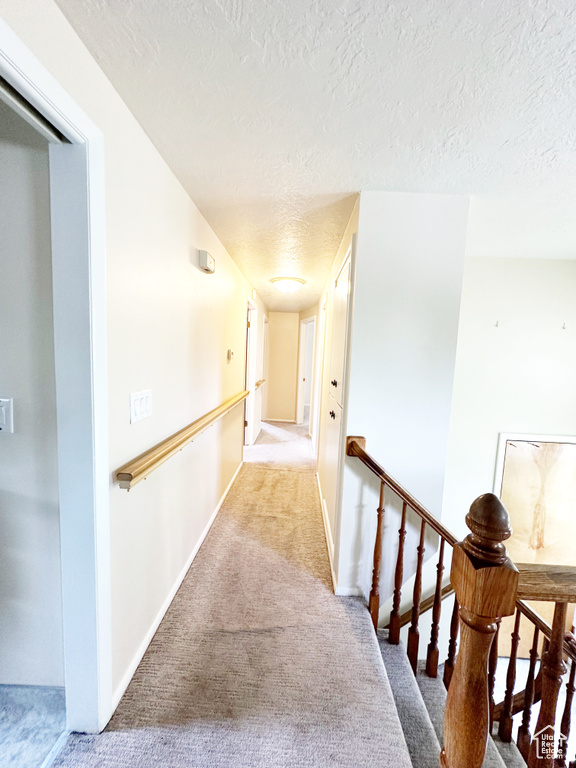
x=535 y=477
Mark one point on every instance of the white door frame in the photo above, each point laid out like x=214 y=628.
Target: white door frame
x=79 y=290
x=302 y=370
x=250 y=371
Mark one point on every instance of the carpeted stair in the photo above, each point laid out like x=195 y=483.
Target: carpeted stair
x=421 y=738
x=420 y=701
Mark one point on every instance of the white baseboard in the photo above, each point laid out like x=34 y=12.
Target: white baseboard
x=55 y=751
x=129 y=674
x=348 y=592
x=329 y=539
x=283 y=421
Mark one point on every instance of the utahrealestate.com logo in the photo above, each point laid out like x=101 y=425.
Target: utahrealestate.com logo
x=546 y=746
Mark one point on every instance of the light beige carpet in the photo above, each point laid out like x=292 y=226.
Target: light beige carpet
x=282 y=446
x=257 y=664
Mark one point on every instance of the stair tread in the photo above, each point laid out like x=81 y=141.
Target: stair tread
x=419 y=733
x=389 y=721
x=509 y=753
x=434 y=695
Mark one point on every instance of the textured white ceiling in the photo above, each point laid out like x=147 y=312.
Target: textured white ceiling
x=274 y=113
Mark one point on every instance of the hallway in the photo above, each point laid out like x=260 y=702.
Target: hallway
x=257 y=663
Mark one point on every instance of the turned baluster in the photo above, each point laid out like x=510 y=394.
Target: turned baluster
x=505 y=725
x=565 y=725
x=413 y=633
x=543 y=745
x=432 y=655
x=374 y=601
x=452 y=646
x=524 y=737
x=394 y=634
x=492 y=666
x=486 y=582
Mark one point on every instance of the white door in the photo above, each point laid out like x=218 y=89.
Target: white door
x=341 y=296
x=333 y=418
x=305 y=372
x=251 y=417
x=332 y=460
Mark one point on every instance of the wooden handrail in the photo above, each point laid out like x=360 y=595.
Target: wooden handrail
x=354 y=448
x=140 y=467
x=542 y=625
x=488 y=586
x=538 y=581
x=259 y=383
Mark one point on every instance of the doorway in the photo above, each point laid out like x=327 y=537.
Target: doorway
x=306 y=373
x=77 y=238
x=251 y=411
x=31 y=641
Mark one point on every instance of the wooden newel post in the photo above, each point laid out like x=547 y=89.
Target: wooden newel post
x=485 y=581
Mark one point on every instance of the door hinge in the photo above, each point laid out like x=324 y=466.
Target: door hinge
x=248 y=323
x=245 y=423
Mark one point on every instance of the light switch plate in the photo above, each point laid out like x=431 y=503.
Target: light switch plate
x=140 y=405
x=7 y=415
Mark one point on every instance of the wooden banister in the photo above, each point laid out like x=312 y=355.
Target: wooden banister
x=506 y=722
x=553 y=669
x=354 y=448
x=374 y=602
x=140 y=467
x=543 y=626
x=433 y=652
x=487 y=587
x=520 y=698
x=425 y=605
x=556 y=583
x=531 y=694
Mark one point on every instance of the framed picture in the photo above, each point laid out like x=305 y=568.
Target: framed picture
x=536 y=480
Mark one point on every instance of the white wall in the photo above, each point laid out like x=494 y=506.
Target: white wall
x=517 y=376
x=282 y=365
x=30 y=590
x=404 y=330
x=169 y=327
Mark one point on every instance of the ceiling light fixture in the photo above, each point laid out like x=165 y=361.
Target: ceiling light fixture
x=287 y=284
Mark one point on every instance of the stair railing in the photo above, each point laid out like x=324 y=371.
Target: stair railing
x=488 y=586
x=355 y=446
x=554 y=584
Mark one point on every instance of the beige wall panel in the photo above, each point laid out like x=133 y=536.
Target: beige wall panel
x=283 y=365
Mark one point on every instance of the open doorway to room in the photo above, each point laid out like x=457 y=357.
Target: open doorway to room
x=54 y=491
x=31 y=636
x=284 y=441
x=306 y=372
x=252 y=382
